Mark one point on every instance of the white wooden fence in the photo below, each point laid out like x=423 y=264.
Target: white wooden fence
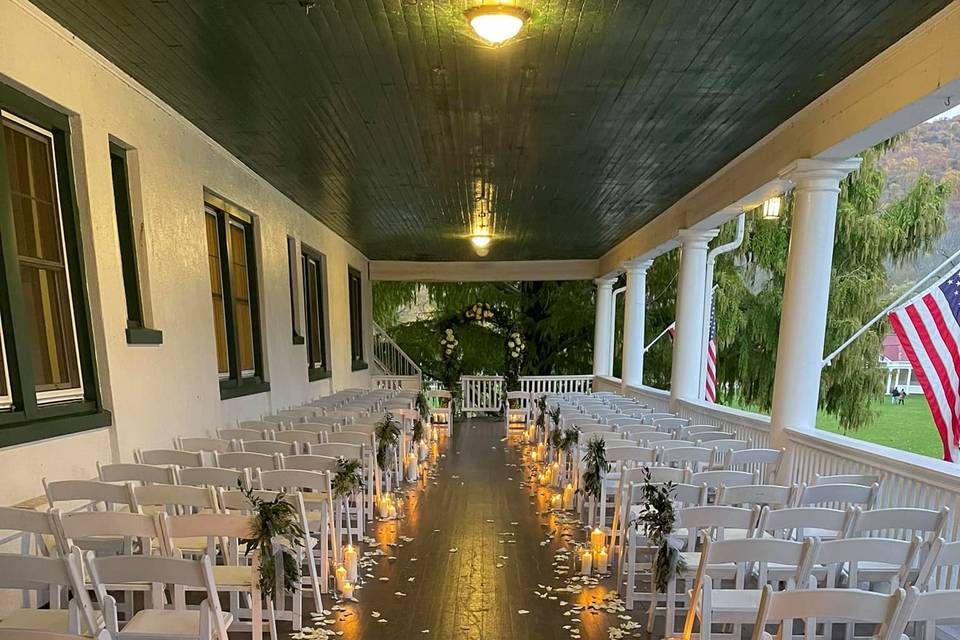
x=409 y=383
x=486 y=393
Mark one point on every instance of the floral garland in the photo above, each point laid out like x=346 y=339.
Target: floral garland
x=515 y=349
x=275 y=532
x=480 y=312
x=596 y=465
x=449 y=344
x=387 y=432
x=348 y=479
x=450 y=359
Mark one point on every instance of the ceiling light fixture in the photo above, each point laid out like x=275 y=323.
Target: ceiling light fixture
x=496 y=23
x=771 y=208
x=480 y=240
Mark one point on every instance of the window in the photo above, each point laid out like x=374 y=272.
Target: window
x=137 y=332
x=293 y=264
x=355 y=289
x=314 y=303
x=231 y=260
x=48 y=382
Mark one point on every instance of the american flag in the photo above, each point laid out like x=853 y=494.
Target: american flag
x=929 y=331
x=710 y=390
x=672 y=329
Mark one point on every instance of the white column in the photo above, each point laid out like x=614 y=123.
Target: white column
x=602 y=331
x=691 y=289
x=634 y=319
x=806 y=290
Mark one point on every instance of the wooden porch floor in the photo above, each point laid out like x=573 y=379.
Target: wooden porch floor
x=471 y=517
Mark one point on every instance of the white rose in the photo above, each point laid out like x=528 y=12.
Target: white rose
x=449 y=351
x=516 y=354
x=511 y=345
x=455 y=342
x=488 y=314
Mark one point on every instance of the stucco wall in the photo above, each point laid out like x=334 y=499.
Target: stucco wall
x=156 y=392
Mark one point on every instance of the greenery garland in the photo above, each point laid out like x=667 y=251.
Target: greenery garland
x=555 y=415
x=596 y=465
x=349 y=478
x=563 y=439
x=387 y=431
x=273 y=519
x=656 y=521
x=418 y=433
x=423 y=406
x=541 y=404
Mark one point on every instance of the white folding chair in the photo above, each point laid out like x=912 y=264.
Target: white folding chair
x=156 y=622
x=241 y=433
x=91 y=494
x=774 y=496
x=765 y=462
x=926 y=608
x=939 y=566
x=441 y=409
x=811 y=606
x=839 y=495
x=711 y=605
x=797 y=523
x=200 y=444
x=268 y=447
x=716 y=479
x=245 y=460
x=299 y=438
x=35 y=573
x=213 y=477
x=694 y=458
x=225 y=531
x=864 y=479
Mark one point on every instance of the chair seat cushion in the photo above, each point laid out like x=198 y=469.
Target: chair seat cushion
x=56 y=620
x=168 y=623
x=745 y=601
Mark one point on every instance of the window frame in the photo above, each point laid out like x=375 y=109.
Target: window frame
x=31 y=415
x=293 y=265
x=355 y=311
x=315 y=372
x=137 y=331
x=237 y=381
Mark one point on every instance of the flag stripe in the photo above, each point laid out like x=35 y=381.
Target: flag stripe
x=908 y=340
x=948 y=328
x=922 y=322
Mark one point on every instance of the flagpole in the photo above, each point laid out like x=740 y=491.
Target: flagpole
x=662 y=333
x=829 y=359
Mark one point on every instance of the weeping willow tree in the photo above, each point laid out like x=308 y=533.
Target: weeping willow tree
x=870 y=236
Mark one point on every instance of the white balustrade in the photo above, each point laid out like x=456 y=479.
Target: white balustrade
x=539 y=385
x=481 y=393
x=397 y=383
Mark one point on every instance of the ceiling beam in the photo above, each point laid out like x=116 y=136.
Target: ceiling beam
x=912 y=81
x=529 y=270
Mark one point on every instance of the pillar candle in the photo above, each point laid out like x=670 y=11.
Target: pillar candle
x=347 y=591
x=341 y=576
x=586 y=563
x=424 y=450
x=539 y=451
x=602 y=560
x=555 y=474
x=384 y=507
x=568 y=497
x=412 y=470
x=598 y=540
x=556 y=502
x=392 y=512
x=350 y=562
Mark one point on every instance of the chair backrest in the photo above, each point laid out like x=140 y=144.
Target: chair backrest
x=245 y=460
x=39 y=523
x=772 y=495
x=794 y=521
x=840 y=494
x=765 y=461
x=683 y=495
x=850 y=552
x=758 y=553
x=277 y=419
x=595 y=428
x=349 y=437
x=242 y=433
x=690 y=456
x=256 y=425
x=622 y=421
x=24 y=634
x=99 y=494
x=269 y=447
x=631 y=430
x=135 y=472
x=317 y=427
x=295 y=436
x=309 y=462
x=824 y=605
x=213 y=477
x=652 y=439
x=169 y=456
x=901 y=522
x=714 y=479
x=714 y=520
x=631 y=454
x=671 y=422
x=705 y=436
x=86 y=529
x=177 y=498
x=338 y=450
x=864 y=479
x=290 y=479
x=722 y=445
x=152 y=569
x=673 y=444
x=215 y=526
x=694 y=429
x=202 y=444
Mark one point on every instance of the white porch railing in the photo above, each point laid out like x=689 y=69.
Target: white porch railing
x=485 y=393
x=409 y=383
x=481 y=393
x=390 y=358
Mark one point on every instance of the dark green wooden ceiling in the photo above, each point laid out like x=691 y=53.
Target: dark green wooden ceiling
x=390 y=122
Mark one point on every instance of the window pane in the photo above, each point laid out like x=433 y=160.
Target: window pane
x=43 y=270
x=216 y=289
x=313 y=312
x=356 y=316
x=126 y=236
x=240 y=288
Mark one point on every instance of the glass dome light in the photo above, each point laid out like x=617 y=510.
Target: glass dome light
x=496 y=23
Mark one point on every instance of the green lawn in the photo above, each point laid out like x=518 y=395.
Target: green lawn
x=908 y=427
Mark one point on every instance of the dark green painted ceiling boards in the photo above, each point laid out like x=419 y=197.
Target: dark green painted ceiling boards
x=388 y=119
